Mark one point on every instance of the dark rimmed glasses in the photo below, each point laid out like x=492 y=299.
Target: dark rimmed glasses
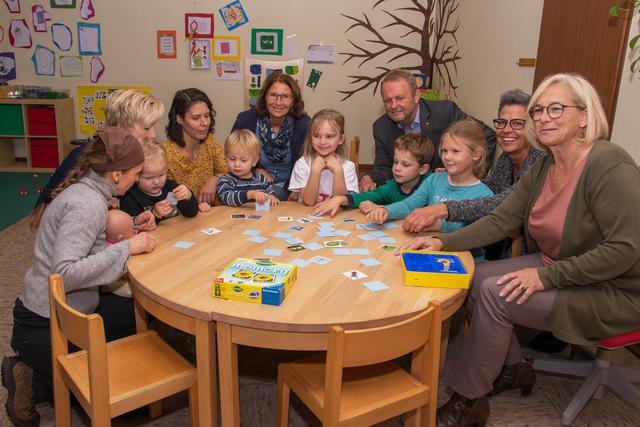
x=284 y=97
x=516 y=124
x=554 y=110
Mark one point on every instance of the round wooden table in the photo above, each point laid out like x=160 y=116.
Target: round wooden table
x=175 y=285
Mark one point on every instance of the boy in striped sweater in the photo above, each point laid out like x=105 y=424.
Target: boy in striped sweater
x=243 y=184
x=412 y=155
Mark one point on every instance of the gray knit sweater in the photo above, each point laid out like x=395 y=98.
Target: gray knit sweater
x=71 y=241
x=500 y=180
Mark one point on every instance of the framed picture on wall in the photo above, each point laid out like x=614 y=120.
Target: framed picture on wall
x=166 y=44
x=67 y=4
x=226 y=48
x=200 y=54
x=198 y=25
x=266 y=41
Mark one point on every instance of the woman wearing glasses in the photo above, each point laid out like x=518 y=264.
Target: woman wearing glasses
x=280 y=123
x=517 y=157
x=194 y=157
x=580 y=278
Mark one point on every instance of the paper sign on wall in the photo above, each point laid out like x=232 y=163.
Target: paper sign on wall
x=39 y=17
x=198 y=25
x=226 y=47
x=227 y=70
x=320 y=54
x=61 y=36
x=63 y=4
x=256 y=71
x=70 y=66
x=19 y=34
x=13 y=5
x=89 y=38
x=44 y=61
x=91 y=101
x=7 y=66
x=166 y=43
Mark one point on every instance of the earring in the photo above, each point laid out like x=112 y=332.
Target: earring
x=116 y=181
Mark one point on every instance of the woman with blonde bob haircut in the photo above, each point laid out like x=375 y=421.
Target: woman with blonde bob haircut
x=580 y=277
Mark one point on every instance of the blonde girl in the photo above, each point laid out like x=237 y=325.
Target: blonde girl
x=322 y=172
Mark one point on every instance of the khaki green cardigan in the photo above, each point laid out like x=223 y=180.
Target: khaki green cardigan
x=598 y=271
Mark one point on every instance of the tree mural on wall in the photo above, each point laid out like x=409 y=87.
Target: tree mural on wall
x=438 y=46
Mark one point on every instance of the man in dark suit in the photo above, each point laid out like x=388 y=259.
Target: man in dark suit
x=407 y=113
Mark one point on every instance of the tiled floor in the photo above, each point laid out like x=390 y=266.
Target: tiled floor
x=257 y=382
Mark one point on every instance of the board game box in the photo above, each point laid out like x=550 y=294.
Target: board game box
x=434 y=269
x=260 y=281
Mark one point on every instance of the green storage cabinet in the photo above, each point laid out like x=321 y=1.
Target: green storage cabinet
x=11 y=120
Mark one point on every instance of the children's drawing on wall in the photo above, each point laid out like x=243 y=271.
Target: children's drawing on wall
x=233 y=15
x=314 y=78
x=44 y=61
x=266 y=41
x=166 y=44
x=200 y=54
x=256 y=71
x=87 y=10
x=226 y=48
x=320 y=53
x=7 y=66
x=429 y=43
x=70 y=66
x=89 y=39
x=39 y=17
x=13 y=5
x=97 y=69
x=1 y=34
x=198 y=25
x=63 y=4
x=61 y=36
x=226 y=70
x=19 y=34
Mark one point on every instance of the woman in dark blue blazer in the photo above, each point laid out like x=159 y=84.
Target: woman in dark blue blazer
x=280 y=123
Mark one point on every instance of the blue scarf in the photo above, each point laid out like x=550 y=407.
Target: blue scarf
x=276 y=147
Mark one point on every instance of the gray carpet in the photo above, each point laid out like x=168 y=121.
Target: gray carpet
x=257 y=380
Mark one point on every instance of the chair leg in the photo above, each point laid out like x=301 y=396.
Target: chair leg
x=583 y=395
x=61 y=402
x=155 y=409
x=193 y=406
x=565 y=367
x=444 y=343
x=621 y=385
x=282 y=408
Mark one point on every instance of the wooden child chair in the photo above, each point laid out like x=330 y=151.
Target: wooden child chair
x=110 y=379
x=359 y=384
x=354 y=152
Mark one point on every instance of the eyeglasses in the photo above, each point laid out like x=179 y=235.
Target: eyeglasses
x=554 y=110
x=516 y=124
x=284 y=97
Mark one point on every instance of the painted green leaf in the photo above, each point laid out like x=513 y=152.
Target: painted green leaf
x=634 y=41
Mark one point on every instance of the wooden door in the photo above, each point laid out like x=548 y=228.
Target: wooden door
x=578 y=36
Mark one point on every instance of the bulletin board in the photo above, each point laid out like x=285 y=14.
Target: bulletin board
x=91 y=100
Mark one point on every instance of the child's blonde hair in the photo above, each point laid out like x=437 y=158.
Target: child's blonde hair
x=470 y=132
x=335 y=120
x=153 y=150
x=243 y=139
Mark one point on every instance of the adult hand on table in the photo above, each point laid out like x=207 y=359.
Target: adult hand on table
x=208 y=192
x=423 y=218
x=145 y=221
x=141 y=243
x=522 y=283
x=424 y=242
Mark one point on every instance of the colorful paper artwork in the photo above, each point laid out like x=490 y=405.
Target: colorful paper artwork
x=61 y=36
x=70 y=66
x=87 y=10
x=63 y=4
x=198 y=25
x=13 y=5
x=44 y=61
x=257 y=70
x=320 y=54
x=227 y=70
x=266 y=41
x=166 y=43
x=91 y=100
x=7 y=66
x=39 y=17
x=97 y=69
x=19 y=34
x=89 y=39
x=233 y=15
x=200 y=54
x=1 y=34
x=226 y=48
x=314 y=78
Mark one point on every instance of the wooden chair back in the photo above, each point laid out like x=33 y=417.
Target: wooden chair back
x=354 y=152
x=516 y=243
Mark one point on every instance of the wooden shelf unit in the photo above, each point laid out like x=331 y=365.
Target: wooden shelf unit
x=65 y=132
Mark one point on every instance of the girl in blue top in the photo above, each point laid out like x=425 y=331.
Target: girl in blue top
x=463 y=151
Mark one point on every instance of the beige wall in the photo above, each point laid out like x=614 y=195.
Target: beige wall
x=493 y=34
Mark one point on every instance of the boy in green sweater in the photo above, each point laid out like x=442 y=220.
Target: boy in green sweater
x=412 y=155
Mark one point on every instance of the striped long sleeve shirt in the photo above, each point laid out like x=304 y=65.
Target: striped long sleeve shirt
x=233 y=190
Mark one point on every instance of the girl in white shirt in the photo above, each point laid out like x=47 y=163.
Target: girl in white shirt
x=322 y=172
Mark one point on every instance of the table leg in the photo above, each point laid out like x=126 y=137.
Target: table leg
x=228 y=372
x=206 y=366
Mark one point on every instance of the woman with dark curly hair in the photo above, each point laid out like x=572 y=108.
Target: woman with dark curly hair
x=280 y=123
x=194 y=157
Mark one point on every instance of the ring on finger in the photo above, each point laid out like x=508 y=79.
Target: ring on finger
x=522 y=288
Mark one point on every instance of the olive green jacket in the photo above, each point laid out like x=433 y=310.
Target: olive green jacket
x=598 y=271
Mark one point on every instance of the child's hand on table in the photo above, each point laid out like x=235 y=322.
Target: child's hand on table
x=162 y=208
x=378 y=215
x=331 y=206
x=367 y=206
